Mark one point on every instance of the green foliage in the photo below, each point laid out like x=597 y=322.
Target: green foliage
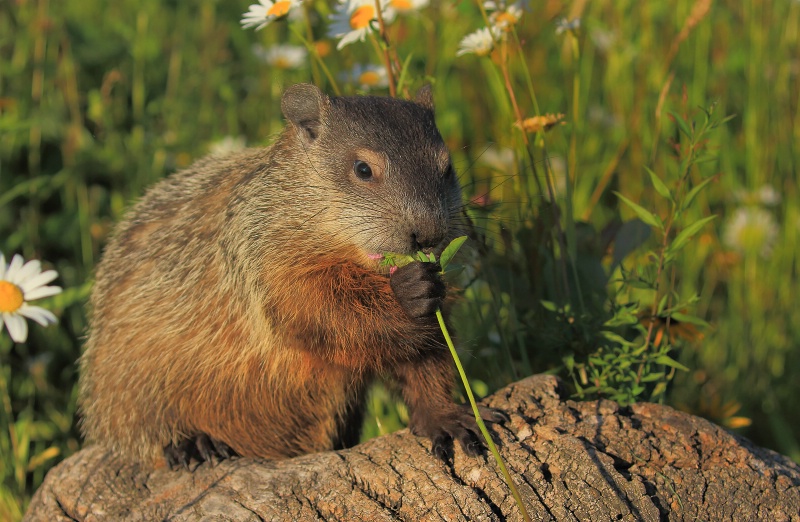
x=632 y=360
x=615 y=292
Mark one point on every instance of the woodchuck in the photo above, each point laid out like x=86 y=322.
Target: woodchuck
x=239 y=308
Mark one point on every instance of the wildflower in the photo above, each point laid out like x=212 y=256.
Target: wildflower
x=480 y=42
x=503 y=16
x=751 y=229
x=264 y=12
x=766 y=195
x=603 y=40
x=20 y=283
x=367 y=76
x=565 y=25
x=353 y=20
x=282 y=56
x=537 y=123
x=407 y=6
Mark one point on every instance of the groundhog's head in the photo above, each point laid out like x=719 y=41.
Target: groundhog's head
x=390 y=182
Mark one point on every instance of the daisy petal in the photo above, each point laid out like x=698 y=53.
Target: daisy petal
x=17 y=327
x=42 y=291
x=29 y=269
x=2 y=267
x=38 y=314
x=351 y=37
x=36 y=281
x=13 y=268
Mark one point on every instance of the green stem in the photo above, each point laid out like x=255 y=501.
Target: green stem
x=312 y=50
x=478 y=418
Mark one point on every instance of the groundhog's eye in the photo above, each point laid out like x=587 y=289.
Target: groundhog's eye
x=363 y=170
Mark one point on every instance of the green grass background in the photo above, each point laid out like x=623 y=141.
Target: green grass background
x=100 y=99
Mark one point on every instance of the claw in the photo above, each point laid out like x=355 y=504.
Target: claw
x=493 y=415
x=442 y=447
x=200 y=448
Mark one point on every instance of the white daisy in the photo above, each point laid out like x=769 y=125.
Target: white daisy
x=19 y=283
x=766 y=195
x=265 y=11
x=367 y=77
x=565 y=25
x=504 y=15
x=751 y=229
x=480 y=42
x=283 y=56
x=353 y=20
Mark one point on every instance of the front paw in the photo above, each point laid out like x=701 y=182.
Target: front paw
x=418 y=288
x=457 y=424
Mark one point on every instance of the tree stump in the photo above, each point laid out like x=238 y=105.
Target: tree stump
x=592 y=461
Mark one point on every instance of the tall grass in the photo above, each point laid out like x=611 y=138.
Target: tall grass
x=100 y=99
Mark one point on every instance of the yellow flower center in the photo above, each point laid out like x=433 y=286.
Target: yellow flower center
x=402 y=5
x=282 y=63
x=362 y=17
x=370 y=78
x=11 y=297
x=279 y=9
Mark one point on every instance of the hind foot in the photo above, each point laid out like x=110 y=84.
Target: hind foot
x=200 y=448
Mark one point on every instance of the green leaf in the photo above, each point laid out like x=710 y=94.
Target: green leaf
x=549 y=305
x=687 y=233
x=422 y=257
x=659 y=185
x=682 y=124
x=644 y=214
x=652 y=377
x=450 y=251
x=666 y=360
x=695 y=191
x=453 y=272
x=689 y=319
x=621 y=319
x=611 y=336
x=659 y=390
x=395 y=259
x=404 y=71
x=662 y=303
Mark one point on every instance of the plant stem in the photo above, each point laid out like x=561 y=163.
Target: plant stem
x=387 y=60
x=478 y=418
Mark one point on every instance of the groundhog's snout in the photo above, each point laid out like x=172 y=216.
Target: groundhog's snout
x=427 y=235
x=425 y=226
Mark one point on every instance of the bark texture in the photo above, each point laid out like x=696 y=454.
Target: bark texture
x=590 y=461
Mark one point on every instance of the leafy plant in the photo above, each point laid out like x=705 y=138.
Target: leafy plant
x=649 y=320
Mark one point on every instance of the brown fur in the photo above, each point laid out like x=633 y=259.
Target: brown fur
x=238 y=299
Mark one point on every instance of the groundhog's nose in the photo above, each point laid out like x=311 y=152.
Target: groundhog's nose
x=425 y=240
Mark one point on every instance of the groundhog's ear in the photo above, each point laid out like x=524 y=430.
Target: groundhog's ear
x=303 y=104
x=425 y=96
